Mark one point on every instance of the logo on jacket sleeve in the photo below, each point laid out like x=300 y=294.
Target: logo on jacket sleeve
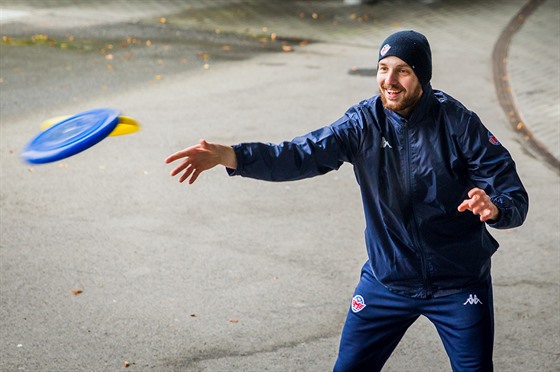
x=493 y=140
x=358 y=303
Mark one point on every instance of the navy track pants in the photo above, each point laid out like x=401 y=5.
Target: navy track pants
x=378 y=319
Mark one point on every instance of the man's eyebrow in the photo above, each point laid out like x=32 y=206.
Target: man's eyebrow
x=400 y=65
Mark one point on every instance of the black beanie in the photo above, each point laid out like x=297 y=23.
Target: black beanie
x=413 y=48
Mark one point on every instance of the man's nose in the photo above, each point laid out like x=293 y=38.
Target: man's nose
x=391 y=78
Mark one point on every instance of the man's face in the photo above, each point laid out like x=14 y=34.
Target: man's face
x=399 y=87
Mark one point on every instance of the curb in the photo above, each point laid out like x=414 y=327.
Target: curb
x=503 y=86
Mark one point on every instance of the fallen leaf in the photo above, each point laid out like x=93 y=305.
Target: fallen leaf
x=39 y=37
x=233 y=320
x=76 y=292
x=203 y=55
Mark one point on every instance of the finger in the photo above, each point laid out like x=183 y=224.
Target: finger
x=475 y=191
x=474 y=205
x=176 y=156
x=463 y=206
x=195 y=175
x=186 y=175
x=483 y=209
x=478 y=207
x=485 y=215
x=181 y=154
x=180 y=168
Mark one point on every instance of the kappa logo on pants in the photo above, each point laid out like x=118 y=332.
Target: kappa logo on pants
x=473 y=300
x=358 y=303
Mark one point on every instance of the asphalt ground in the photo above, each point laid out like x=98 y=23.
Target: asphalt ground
x=233 y=274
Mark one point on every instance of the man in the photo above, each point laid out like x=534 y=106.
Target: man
x=432 y=177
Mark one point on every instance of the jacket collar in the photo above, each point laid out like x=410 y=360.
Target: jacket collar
x=423 y=108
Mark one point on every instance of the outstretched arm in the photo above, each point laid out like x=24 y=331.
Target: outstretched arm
x=201 y=157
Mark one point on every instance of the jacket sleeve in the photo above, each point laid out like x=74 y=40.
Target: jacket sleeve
x=492 y=169
x=312 y=154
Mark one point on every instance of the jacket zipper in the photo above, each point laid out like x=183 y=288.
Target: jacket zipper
x=408 y=180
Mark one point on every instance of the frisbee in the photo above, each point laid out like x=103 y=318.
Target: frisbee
x=126 y=125
x=71 y=136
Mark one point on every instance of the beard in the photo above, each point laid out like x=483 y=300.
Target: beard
x=405 y=105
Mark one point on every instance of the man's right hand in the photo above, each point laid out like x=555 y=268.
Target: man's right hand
x=201 y=157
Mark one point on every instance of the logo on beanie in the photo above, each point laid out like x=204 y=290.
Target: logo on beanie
x=358 y=303
x=385 y=49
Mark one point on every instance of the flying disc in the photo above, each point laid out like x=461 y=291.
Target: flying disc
x=126 y=125
x=71 y=136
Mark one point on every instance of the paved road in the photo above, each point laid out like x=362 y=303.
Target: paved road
x=231 y=274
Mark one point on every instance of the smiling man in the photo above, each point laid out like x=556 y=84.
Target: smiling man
x=432 y=178
x=400 y=89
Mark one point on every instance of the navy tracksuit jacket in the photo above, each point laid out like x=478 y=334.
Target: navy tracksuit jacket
x=413 y=173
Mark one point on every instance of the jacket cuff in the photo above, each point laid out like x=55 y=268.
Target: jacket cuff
x=504 y=205
x=239 y=155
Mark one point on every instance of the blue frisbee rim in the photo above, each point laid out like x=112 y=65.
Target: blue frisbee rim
x=71 y=136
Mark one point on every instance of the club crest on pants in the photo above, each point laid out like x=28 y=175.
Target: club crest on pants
x=358 y=303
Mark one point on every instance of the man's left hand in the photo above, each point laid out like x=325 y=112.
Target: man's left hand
x=479 y=203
